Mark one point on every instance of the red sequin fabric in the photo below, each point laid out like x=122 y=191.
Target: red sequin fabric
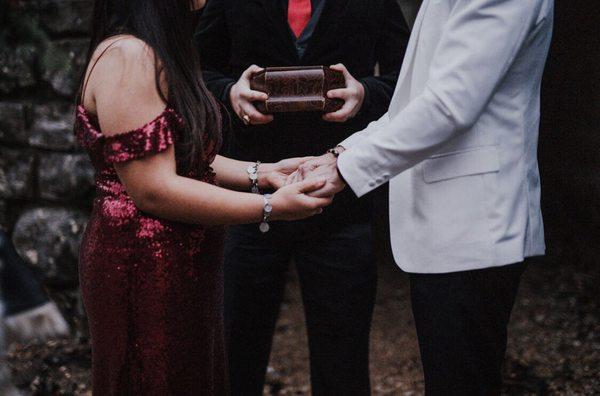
x=152 y=288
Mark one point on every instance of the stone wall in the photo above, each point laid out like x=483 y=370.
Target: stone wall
x=46 y=182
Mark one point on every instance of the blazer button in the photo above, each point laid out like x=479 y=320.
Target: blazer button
x=372 y=183
x=386 y=176
x=379 y=180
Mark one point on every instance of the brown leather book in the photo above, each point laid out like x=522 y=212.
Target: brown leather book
x=293 y=89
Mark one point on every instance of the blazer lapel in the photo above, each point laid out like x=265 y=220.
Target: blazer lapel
x=278 y=21
x=402 y=94
x=332 y=11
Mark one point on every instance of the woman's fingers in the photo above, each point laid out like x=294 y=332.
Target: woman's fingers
x=317 y=205
x=307 y=186
x=305 y=168
x=301 y=160
x=322 y=202
x=293 y=178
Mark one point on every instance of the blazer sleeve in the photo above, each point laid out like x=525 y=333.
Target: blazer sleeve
x=479 y=43
x=390 y=48
x=214 y=46
x=355 y=138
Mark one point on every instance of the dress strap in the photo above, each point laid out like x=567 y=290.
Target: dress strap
x=87 y=79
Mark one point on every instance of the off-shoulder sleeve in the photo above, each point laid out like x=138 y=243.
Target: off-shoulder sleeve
x=152 y=138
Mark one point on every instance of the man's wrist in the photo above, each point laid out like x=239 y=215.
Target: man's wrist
x=337 y=150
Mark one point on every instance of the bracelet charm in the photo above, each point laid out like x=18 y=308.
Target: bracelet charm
x=264 y=226
x=253 y=176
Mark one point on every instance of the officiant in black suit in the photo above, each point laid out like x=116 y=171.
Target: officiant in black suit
x=332 y=252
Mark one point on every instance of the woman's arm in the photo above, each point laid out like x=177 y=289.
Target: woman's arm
x=123 y=94
x=155 y=187
x=233 y=174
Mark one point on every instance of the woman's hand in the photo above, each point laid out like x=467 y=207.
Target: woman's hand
x=292 y=202
x=274 y=176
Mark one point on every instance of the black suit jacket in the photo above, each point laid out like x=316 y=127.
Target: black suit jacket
x=234 y=34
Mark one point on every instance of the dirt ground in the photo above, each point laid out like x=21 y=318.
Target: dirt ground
x=554 y=345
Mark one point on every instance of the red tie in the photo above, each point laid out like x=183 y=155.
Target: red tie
x=299 y=14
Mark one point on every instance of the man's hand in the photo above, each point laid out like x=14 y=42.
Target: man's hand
x=353 y=96
x=275 y=175
x=241 y=97
x=323 y=167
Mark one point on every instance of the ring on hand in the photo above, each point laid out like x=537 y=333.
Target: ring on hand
x=246 y=119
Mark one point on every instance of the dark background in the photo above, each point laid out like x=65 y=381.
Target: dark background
x=569 y=150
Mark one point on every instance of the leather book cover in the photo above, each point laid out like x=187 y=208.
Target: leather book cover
x=294 y=89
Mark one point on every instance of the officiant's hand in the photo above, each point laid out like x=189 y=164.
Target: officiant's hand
x=242 y=98
x=353 y=96
x=323 y=167
x=293 y=201
x=274 y=176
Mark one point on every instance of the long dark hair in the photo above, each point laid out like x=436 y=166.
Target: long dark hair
x=167 y=27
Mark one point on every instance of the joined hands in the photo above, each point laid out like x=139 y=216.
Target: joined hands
x=321 y=168
x=293 y=200
x=304 y=185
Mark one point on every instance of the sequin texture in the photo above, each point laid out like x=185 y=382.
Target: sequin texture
x=152 y=288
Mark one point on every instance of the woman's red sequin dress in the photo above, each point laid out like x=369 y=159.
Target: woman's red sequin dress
x=152 y=288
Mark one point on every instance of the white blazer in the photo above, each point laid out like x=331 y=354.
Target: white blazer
x=459 y=142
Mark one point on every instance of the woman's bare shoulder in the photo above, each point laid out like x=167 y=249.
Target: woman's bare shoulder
x=123 y=85
x=120 y=65
x=126 y=57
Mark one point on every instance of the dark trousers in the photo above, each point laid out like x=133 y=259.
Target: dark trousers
x=461 y=321
x=338 y=278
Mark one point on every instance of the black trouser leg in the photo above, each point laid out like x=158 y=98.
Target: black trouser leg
x=255 y=269
x=338 y=277
x=461 y=321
